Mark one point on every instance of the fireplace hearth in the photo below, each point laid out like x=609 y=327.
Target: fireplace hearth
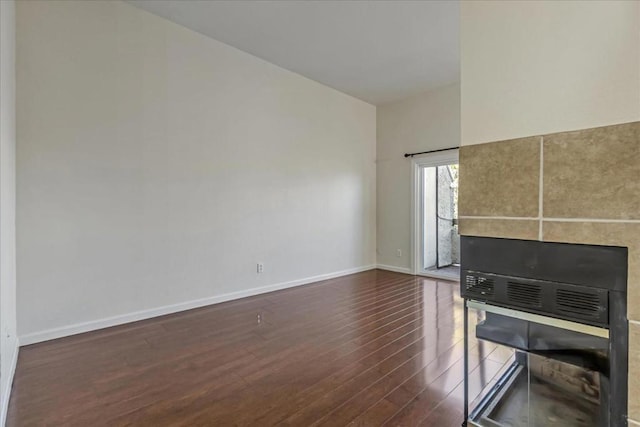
x=561 y=310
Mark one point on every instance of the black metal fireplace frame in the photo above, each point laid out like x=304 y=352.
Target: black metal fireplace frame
x=491 y=265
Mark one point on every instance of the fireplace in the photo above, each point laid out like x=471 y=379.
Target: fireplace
x=561 y=311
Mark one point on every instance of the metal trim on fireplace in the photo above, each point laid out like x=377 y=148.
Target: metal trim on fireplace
x=549 y=321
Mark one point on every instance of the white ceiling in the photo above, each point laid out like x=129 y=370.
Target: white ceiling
x=378 y=51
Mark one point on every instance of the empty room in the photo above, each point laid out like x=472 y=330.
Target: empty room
x=320 y=213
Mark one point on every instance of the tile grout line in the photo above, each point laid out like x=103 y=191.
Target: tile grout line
x=611 y=220
x=540 y=188
x=517 y=218
x=550 y=219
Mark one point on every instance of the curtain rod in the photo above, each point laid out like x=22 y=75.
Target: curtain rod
x=432 y=151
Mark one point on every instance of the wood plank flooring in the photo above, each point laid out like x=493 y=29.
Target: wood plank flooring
x=369 y=349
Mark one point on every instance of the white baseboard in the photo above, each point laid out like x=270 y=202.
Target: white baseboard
x=93 y=325
x=635 y=423
x=404 y=270
x=6 y=393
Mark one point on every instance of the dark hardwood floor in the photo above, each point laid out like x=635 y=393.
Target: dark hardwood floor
x=374 y=348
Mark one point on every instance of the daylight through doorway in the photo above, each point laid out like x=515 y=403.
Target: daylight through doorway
x=439 y=235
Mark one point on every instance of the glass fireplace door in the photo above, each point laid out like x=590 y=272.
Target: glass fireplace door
x=554 y=376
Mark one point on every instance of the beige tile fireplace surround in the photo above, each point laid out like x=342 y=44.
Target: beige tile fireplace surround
x=573 y=187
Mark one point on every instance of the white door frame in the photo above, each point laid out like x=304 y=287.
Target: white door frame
x=441 y=158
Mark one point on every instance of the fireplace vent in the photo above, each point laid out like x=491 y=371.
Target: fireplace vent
x=578 y=303
x=480 y=287
x=524 y=294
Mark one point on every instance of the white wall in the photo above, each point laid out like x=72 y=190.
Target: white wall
x=8 y=341
x=157 y=166
x=531 y=68
x=425 y=122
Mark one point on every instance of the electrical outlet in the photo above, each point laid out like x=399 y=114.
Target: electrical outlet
x=260 y=267
x=399 y=253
